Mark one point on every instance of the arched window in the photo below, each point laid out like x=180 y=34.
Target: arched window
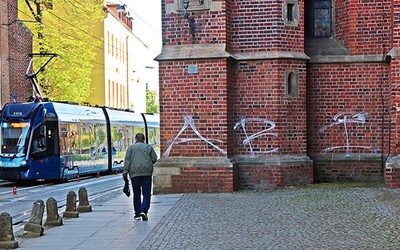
x=292 y=84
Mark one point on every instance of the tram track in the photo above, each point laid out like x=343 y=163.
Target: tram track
x=61 y=205
x=98 y=191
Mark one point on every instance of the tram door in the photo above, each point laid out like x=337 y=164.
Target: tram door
x=45 y=145
x=44 y=141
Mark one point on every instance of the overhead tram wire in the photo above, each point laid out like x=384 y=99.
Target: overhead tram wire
x=69 y=23
x=21 y=11
x=100 y=48
x=103 y=49
x=75 y=36
x=75 y=26
x=131 y=11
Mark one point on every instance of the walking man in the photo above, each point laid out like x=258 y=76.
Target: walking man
x=139 y=160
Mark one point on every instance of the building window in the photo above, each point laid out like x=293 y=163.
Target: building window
x=292 y=84
x=123 y=53
x=112 y=94
x=120 y=49
x=112 y=45
x=318 y=18
x=108 y=42
x=291 y=12
x=116 y=47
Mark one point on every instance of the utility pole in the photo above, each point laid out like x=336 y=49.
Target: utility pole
x=38 y=17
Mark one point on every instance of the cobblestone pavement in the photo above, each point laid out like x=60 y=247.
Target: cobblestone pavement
x=315 y=217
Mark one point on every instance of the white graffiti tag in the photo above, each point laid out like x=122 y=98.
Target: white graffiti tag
x=189 y=122
x=269 y=126
x=346 y=118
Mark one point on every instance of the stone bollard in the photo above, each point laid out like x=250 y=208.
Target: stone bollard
x=6 y=232
x=34 y=226
x=83 y=201
x=70 y=211
x=53 y=219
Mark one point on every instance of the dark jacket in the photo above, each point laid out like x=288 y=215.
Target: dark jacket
x=139 y=160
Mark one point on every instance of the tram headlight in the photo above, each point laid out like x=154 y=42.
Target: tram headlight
x=23 y=163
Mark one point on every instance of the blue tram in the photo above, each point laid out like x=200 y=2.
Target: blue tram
x=59 y=141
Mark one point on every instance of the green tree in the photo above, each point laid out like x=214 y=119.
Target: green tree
x=152 y=105
x=63 y=27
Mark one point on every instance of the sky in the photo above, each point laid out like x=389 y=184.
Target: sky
x=147 y=21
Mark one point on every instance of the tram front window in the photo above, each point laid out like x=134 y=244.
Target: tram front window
x=13 y=138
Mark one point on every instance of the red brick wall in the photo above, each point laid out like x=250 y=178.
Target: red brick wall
x=15 y=45
x=394 y=84
x=20 y=47
x=340 y=171
x=394 y=36
x=392 y=178
x=256 y=26
x=252 y=85
x=265 y=176
x=364 y=25
x=335 y=88
x=4 y=63
x=257 y=91
x=205 y=179
x=210 y=26
x=342 y=26
x=202 y=96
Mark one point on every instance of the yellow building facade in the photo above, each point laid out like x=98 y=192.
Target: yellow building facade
x=119 y=73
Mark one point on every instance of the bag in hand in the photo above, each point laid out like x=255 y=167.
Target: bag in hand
x=126 y=189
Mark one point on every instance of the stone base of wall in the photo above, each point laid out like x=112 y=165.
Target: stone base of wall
x=193 y=174
x=342 y=167
x=273 y=171
x=392 y=172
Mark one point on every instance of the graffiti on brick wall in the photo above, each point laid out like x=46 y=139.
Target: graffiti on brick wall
x=189 y=122
x=346 y=118
x=269 y=125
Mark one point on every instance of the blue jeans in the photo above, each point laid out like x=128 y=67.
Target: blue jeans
x=141 y=185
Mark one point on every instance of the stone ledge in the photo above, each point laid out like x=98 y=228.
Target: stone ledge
x=329 y=158
x=215 y=51
x=348 y=59
x=273 y=160
x=192 y=51
x=270 y=55
x=184 y=162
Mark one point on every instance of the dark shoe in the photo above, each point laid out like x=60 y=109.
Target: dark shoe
x=144 y=216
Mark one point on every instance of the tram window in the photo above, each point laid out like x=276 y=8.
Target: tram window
x=68 y=138
x=52 y=143
x=39 y=144
x=13 y=137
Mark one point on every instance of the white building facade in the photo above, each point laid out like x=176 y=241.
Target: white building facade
x=127 y=61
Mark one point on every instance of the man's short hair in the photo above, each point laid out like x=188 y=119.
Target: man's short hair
x=139 y=137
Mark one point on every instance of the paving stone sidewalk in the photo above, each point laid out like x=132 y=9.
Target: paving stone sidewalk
x=314 y=217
